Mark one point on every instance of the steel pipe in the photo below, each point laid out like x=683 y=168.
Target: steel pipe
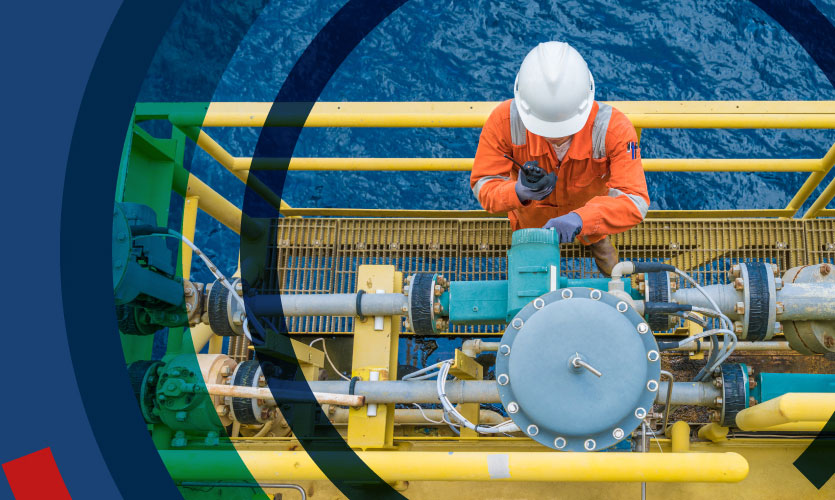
x=329 y=304
x=237 y=391
x=807 y=301
x=486 y=391
x=409 y=416
x=202 y=465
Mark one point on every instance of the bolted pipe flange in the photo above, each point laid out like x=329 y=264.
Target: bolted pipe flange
x=528 y=375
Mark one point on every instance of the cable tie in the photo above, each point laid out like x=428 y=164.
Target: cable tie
x=352 y=384
x=359 y=304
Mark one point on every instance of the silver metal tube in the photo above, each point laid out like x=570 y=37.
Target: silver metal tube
x=486 y=391
x=409 y=416
x=725 y=296
x=807 y=301
x=329 y=304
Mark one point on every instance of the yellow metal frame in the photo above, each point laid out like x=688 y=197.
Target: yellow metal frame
x=643 y=114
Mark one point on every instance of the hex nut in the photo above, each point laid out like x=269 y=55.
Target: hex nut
x=739 y=308
x=739 y=284
x=736 y=271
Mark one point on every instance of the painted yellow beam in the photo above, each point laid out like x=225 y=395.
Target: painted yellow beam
x=466 y=164
x=188 y=227
x=788 y=408
x=713 y=432
x=465 y=466
x=644 y=114
x=680 y=437
x=470 y=214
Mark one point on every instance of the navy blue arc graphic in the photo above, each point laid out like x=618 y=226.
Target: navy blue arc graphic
x=813 y=31
x=302 y=88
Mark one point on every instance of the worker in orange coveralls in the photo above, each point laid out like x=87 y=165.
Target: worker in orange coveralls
x=555 y=158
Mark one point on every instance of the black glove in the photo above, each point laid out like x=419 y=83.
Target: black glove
x=533 y=183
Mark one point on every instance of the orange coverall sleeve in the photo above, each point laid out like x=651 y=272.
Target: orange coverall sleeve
x=627 y=202
x=492 y=179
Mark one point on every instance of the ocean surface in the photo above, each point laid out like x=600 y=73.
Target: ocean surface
x=470 y=51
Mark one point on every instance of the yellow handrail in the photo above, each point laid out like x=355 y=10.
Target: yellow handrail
x=190 y=117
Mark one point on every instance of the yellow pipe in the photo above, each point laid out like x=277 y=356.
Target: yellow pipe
x=216 y=151
x=189 y=224
x=680 y=437
x=466 y=164
x=822 y=201
x=813 y=181
x=713 y=432
x=792 y=407
x=644 y=114
x=464 y=214
x=200 y=336
x=214 y=204
x=463 y=466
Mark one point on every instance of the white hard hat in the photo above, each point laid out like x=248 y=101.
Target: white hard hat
x=554 y=90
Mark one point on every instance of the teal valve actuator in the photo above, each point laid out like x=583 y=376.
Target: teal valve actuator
x=533 y=269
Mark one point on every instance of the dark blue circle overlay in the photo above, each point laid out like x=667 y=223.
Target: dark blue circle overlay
x=99 y=134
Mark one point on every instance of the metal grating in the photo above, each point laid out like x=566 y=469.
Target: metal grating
x=317 y=255
x=820 y=241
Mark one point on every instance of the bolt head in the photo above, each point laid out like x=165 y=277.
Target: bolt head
x=825 y=269
x=717 y=382
x=512 y=407
x=752 y=401
x=717 y=401
x=779 y=308
x=737 y=327
x=736 y=271
x=739 y=284
x=739 y=308
x=778 y=328
x=189 y=291
x=714 y=416
x=778 y=283
x=775 y=269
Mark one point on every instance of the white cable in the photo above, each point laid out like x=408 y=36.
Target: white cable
x=325 y=350
x=725 y=351
x=220 y=277
x=423 y=372
x=449 y=408
x=649 y=428
x=427 y=418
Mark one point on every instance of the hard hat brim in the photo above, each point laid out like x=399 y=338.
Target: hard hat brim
x=555 y=129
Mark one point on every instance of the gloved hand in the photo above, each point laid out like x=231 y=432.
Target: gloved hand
x=568 y=226
x=533 y=183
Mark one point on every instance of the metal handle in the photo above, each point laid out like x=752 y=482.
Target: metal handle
x=577 y=362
